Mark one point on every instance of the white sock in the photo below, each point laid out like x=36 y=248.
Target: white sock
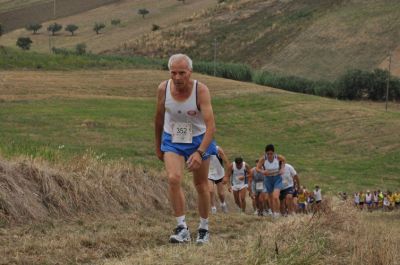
x=223 y=203
x=181 y=221
x=203 y=223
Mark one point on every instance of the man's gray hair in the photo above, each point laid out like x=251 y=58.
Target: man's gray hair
x=178 y=57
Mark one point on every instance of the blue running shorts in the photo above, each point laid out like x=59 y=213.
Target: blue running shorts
x=186 y=150
x=273 y=183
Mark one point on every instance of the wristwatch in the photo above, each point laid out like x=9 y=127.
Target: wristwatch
x=201 y=153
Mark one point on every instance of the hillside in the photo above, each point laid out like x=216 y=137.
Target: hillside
x=110 y=112
x=162 y=13
x=307 y=38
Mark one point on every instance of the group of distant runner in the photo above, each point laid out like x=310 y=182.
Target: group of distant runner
x=272 y=184
x=377 y=200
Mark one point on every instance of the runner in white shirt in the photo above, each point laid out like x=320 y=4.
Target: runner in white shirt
x=318 y=198
x=289 y=179
x=271 y=165
x=215 y=179
x=236 y=175
x=258 y=192
x=184 y=131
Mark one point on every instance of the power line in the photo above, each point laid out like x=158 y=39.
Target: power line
x=388 y=82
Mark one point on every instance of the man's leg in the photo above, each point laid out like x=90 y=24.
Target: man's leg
x=221 y=192
x=174 y=164
x=200 y=180
x=275 y=201
x=236 y=197
x=289 y=203
x=212 y=194
x=221 y=196
x=242 y=198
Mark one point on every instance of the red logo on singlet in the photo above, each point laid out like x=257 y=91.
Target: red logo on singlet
x=192 y=112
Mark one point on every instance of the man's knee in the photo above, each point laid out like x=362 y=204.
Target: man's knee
x=174 y=179
x=201 y=187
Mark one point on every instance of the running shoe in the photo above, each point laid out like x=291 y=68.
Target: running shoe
x=202 y=236
x=224 y=208
x=181 y=235
x=214 y=210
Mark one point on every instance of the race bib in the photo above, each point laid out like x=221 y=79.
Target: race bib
x=260 y=185
x=182 y=133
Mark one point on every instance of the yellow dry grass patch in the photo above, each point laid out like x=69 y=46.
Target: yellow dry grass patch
x=162 y=13
x=17 y=85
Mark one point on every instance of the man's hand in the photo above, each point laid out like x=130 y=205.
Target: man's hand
x=194 y=161
x=160 y=154
x=251 y=194
x=230 y=188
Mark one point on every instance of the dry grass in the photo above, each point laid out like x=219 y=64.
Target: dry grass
x=162 y=13
x=32 y=190
x=91 y=212
x=123 y=84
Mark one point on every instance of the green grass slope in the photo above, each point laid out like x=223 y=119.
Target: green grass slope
x=58 y=115
x=312 y=39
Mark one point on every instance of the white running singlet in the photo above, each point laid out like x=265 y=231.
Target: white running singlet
x=183 y=116
x=272 y=167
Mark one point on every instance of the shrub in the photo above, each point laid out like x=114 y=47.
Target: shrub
x=33 y=27
x=155 y=27
x=98 y=26
x=239 y=72
x=71 y=28
x=53 y=28
x=24 y=43
x=143 y=12
x=80 y=48
x=353 y=84
x=115 y=22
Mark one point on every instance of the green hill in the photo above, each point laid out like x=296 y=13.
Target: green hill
x=61 y=114
x=307 y=38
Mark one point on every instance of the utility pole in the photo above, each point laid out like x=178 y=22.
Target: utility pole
x=49 y=42
x=215 y=56
x=54 y=11
x=388 y=82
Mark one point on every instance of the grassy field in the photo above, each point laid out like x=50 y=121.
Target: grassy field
x=80 y=183
x=336 y=144
x=162 y=13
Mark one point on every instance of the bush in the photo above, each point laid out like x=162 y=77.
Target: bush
x=80 y=49
x=71 y=28
x=143 y=12
x=98 y=26
x=155 y=27
x=354 y=84
x=115 y=22
x=358 y=84
x=24 y=43
x=33 y=27
x=239 y=72
x=53 y=28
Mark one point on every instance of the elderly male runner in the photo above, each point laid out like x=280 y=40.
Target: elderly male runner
x=184 y=129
